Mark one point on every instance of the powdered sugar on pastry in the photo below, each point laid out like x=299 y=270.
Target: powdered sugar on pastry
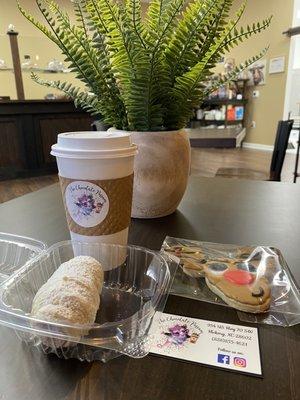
x=71 y=294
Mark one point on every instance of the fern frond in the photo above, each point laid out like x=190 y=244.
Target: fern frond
x=162 y=19
x=37 y=24
x=241 y=34
x=195 y=25
x=80 y=12
x=81 y=46
x=233 y=75
x=55 y=35
x=64 y=45
x=133 y=11
x=143 y=75
x=95 y=17
x=226 y=31
x=118 y=36
x=87 y=102
x=129 y=61
x=99 y=30
x=189 y=86
x=83 y=54
x=125 y=59
x=155 y=12
x=214 y=29
x=196 y=93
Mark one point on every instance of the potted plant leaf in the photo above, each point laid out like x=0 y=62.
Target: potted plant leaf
x=145 y=75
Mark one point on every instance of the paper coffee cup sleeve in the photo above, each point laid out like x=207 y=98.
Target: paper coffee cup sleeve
x=97 y=207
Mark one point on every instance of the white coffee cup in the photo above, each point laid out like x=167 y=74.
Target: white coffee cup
x=96 y=175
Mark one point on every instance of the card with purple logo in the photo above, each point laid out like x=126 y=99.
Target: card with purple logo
x=227 y=346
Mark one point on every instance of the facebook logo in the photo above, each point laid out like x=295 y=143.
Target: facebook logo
x=223 y=359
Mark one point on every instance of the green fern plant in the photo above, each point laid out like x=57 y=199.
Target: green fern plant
x=148 y=74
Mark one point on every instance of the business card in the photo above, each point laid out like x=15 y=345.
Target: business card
x=227 y=346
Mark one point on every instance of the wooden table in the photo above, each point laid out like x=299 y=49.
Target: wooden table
x=219 y=210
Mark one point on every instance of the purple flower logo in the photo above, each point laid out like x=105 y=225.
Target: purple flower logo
x=178 y=335
x=86 y=204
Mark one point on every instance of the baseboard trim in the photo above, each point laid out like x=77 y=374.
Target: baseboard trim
x=264 y=147
x=258 y=146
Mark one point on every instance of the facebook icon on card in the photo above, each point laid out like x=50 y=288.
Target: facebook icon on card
x=223 y=359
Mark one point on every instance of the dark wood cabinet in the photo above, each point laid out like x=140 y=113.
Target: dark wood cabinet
x=27 y=131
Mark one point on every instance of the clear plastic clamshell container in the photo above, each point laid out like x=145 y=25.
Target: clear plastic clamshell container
x=136 y=285
x=15 y=252
x=202 y=277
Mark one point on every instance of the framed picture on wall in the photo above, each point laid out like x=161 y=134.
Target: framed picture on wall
x=257 y=73
x=277 y=65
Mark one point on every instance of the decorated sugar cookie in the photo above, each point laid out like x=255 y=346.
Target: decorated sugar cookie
x=192 y=259
x=241 y=278
x=239 y=284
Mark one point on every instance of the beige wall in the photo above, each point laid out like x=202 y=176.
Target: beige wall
x=32 y=42
x=266 y=110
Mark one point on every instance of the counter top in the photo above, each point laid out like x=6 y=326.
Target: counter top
x=34 y=101
x=12 y=107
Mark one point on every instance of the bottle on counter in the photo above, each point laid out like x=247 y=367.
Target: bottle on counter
x=199 y=114
x=27 y=63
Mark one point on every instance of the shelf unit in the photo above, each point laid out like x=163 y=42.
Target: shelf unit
x=195 y=123
x=221 y=102
x=217 y=102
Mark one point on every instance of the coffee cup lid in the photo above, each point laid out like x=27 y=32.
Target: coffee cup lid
x=94 y=144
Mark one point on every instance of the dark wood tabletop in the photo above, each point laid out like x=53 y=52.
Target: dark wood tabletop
x=219 y=210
